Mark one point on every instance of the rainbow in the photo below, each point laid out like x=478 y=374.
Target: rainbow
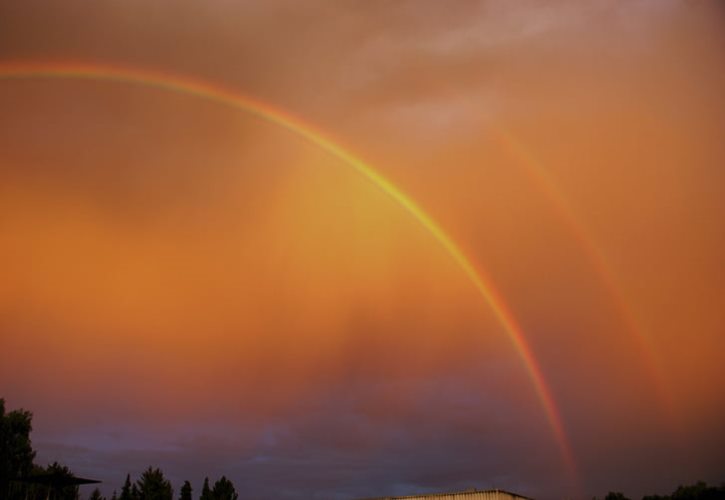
x=226 y=97
x=539 y=175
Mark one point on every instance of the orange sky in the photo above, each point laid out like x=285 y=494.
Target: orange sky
x=183 y=279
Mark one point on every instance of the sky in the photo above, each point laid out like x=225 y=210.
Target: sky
x=214 y=287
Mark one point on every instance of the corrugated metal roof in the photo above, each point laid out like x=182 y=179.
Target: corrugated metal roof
x=455 y=495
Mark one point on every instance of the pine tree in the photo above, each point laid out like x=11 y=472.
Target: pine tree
x=205 y=491
x=96 y=495
x=67 y=492
x=126 y=491
x=154 y=486
x=186 y=491
x=224 y=490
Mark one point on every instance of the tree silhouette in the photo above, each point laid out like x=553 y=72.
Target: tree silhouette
x=699 y=491
x=96 y=495
x=126 y=490
x=154 y=486
x=16 y=452
x=612 y=495
x=186 y=491
x=224 y=490
x=205 y=491
x=68 y=492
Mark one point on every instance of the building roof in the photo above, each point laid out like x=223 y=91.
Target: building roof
x=471 y=491
x=56 y=480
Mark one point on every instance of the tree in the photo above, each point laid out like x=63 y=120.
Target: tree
x=205 y=491
x=224 y=490
x=31 y=491
x=16 y=452
x=154 y=486
x=69 y=492
x=186 y=491
x=699 y=491
x=96 y=495
x=126 y=490
x=615 y=495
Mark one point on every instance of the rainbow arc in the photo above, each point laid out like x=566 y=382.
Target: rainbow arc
x=232 y=99
x=541 y=177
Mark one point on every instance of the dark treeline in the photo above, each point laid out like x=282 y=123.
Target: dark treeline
x=154 y=486
x=18 y=471
x=17 y=465
x=697 y=491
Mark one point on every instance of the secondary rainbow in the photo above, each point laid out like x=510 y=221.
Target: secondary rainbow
x=540 y=175
x=230 y=98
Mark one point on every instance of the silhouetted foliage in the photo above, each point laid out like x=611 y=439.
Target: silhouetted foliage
x=16 y=452
x=35 y=491
x=224 y=490
x=96 y=495
x=154 y=486
x=126 y=490
x=697 y=491
x=69 y=492
x=615 y=496
x=206 y=491
x=23 y=491
x=186 y=491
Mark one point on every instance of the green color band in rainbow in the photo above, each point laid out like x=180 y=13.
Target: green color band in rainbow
x=226 y=97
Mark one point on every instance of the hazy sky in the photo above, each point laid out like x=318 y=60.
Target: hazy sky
x=189 y=286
